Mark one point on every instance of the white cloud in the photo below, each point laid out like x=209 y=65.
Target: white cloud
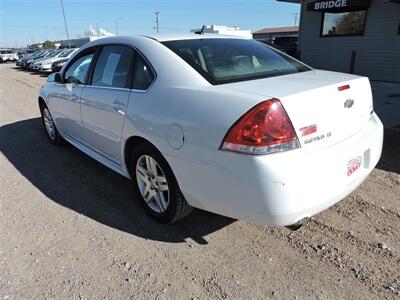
x=93 y=32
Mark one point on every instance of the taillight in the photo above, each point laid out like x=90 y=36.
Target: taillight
x=266 y=128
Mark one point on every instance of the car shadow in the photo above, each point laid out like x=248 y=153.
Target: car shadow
x=72 y=179
x=390 y=160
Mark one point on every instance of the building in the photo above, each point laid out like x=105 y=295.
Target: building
x=75 y=43
x=269 y=34
x=354 y=36
x=227 y=30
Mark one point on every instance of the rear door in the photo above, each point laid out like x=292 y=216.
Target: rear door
x=105 y=100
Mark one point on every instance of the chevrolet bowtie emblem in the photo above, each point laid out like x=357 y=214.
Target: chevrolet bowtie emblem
x=348 y=103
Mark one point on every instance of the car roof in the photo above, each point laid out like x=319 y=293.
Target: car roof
x=160 y=38
x=132 y=39
x=190 y=36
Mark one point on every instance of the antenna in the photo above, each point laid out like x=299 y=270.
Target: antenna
x=157 y=28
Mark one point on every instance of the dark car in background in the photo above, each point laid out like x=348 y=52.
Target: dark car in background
x=287 y=43
x=28 y=56
x=28 y=61
x=57 y=65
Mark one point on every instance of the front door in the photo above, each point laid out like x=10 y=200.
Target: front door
x=65 y=98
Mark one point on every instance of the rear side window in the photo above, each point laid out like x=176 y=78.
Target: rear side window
x=76 y=73
x=112 y=67
x=142 y=74
x=231 y=60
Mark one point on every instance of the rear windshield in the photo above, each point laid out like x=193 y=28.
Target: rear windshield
x=231 y=60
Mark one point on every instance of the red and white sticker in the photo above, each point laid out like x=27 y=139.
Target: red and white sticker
x=353 y=165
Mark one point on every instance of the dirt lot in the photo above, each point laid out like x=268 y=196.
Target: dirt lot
x=69 y=229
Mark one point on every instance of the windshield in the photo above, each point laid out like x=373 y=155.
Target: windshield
x=52 y=53
x=224 y=60
x=66 y=53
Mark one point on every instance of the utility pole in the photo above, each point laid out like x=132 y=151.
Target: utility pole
x=295 y=18
x=116 y=25
x=157 y=28
x=65 y=22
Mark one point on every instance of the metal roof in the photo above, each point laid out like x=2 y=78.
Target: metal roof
x=278 y=30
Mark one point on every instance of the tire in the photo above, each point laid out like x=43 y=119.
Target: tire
x=47 y=121
x=166 y=206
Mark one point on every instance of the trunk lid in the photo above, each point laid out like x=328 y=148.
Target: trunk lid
x=313 y=98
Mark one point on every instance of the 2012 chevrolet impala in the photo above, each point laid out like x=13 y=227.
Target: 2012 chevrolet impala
x=224 y=124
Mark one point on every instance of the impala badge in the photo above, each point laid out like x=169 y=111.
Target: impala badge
x=348 y=103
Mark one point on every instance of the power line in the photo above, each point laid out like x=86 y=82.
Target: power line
x=116 y=24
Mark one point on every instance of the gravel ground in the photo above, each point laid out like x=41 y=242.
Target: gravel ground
x=71 y=230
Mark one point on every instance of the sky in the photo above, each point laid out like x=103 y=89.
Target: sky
x=30 y=21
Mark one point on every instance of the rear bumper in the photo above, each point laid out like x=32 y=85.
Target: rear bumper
x=283 y=188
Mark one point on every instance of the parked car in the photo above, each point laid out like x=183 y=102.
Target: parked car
x=287 y=43
x=224 y=124
x=27 y=60
x=57 y=65
x=7 y=56
x=46 y=64
x=49 y=54
x=25 y=52
x=37 y=63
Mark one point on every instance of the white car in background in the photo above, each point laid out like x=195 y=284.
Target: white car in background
x=45 y=64
x=224 y=124
x=7 y=55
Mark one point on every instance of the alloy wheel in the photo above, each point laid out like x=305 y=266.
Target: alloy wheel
x=49 y=124
x=152 y=183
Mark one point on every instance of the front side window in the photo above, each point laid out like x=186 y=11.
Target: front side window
x=142 y=74
x=230 y=60
x=346 y=23
x=76 y=73
x=112 y=67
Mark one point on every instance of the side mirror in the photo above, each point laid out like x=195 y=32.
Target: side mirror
x=57 y=77
x=54 y=77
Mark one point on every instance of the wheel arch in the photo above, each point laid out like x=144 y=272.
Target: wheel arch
x=41 y=101
x=130 y=144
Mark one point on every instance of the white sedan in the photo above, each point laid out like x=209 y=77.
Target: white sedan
x=224 y=124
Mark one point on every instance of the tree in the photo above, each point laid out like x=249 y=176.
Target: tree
x=49 y=45
x=34 y=46
x=351 y=23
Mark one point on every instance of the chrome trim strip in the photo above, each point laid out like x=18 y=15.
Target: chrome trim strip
x=107 y=87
